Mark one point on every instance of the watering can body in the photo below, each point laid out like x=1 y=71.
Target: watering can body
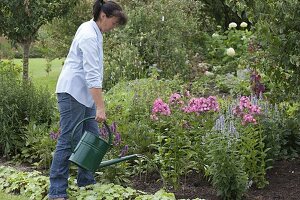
x=91 y=149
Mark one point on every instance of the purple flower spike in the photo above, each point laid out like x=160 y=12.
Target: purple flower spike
x=113 y=127
x=117 y=140
x=124 y=151
x=54 y=135
x=103 y=133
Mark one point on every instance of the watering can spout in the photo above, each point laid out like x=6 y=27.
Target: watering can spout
x=117 y=160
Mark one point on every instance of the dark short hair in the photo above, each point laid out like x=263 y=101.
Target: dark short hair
x=111 y=9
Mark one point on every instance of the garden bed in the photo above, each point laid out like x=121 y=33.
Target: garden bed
x=284 y=183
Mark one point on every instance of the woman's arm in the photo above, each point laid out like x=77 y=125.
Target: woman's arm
x=99 y=102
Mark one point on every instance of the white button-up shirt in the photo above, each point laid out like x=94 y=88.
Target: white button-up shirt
x=83 y=67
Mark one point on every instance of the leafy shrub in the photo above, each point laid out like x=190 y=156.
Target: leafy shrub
x=225 y=166
x=164 y=34
x=129 y=104
x=236 y=155
x=228 y=51
x=38 y=146
x=180 y=125
x=20 y=103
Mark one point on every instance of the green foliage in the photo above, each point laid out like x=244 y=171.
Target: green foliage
x=281 y=130
x=249 y=149
x=166 y=35
x=12 y=197
x=218 y=45
x=38 y=146
x=277 y=29
x=225 y=166
x=35 y=186
x=21 y=20
x=253 y=151
x=122 y=61
x=179 y=137
x=6 y=49
x=55 y=38
x=20 y=104
x=31 y=184
x=129 y=104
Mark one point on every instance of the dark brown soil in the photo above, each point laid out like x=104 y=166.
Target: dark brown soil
x=284 y=184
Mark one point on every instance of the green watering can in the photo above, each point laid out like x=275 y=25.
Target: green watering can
x=91 y=149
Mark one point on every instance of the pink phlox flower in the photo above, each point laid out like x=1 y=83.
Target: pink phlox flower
x=248 y=118
x=213 y=104
x=246 y=110
x=255 y=109
x=160 y=107
x=174 y=98
x=199 y=105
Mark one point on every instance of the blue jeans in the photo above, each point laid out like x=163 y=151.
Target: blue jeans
x=71 y=113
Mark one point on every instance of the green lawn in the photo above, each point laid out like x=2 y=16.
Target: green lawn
x=38 y=73
x=4 y=196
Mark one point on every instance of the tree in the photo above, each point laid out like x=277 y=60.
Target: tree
x=20 y=21
x=56 y=37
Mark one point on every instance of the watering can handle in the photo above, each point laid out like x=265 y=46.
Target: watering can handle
x=93 y=117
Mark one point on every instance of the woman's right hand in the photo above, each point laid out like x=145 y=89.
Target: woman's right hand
x=100 y=115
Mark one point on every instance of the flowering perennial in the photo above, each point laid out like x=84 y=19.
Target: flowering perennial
x=117 y=137
x=199 y=105
x=160 y=107
x=246 y=110
x=195 y=105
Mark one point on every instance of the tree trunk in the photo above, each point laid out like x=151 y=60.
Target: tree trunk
x=26 y=48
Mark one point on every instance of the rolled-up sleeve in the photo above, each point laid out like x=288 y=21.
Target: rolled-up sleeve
x=92 y=62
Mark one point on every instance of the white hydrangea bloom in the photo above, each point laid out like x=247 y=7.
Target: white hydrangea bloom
x=230 y=51
x=243 y=24
x=232 y=25
x=215 y=35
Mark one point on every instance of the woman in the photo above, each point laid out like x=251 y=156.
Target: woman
x=79 y=92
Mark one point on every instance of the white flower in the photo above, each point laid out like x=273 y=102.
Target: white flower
x=163 y=18
x=230 y=51
x=215 y=35
x=243 y=25
x=232 y=25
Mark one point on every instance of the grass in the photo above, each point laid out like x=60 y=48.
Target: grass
x=4 y=196
x=38 y=74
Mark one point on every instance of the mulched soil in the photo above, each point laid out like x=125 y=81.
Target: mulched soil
x=284 y=184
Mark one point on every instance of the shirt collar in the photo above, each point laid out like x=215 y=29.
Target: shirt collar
x=96 y=28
